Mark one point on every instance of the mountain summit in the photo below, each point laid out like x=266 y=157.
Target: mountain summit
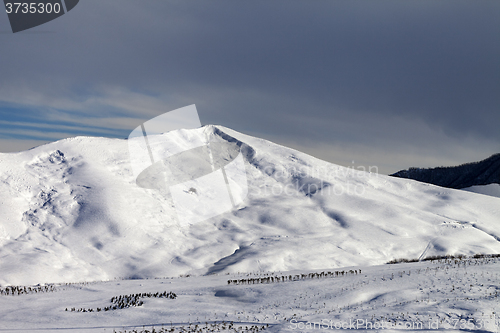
x=72 y=210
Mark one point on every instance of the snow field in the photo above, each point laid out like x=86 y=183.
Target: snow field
x=491 y=190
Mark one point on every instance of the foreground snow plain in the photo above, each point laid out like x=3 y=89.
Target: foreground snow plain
x=441 y=295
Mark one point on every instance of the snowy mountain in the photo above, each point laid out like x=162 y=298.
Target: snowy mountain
x=73 y=210
x=467 y=175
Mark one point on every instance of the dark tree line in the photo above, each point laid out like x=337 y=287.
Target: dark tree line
x=466 y=175
x=23 y=290
x=127 y=301
x=206 y=328
x=296 y=277
x=447 y=257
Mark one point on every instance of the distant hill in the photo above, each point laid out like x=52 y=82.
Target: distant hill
x=466 y=175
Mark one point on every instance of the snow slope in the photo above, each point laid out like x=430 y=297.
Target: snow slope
x=491 y=189
x=72 y=211
x=484 y=172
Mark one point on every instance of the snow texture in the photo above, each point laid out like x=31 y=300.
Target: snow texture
x=441 y=295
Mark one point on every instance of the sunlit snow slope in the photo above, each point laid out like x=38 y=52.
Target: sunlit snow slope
x=72 y=211
x=490 y=189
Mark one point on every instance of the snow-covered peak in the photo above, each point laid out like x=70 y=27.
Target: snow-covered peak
x=73 y=210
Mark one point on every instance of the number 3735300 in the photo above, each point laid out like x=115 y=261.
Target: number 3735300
x=32 y=8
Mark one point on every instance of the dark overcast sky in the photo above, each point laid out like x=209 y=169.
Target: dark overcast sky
x=386 y=83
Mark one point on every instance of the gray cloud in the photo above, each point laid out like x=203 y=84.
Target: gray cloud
x=385 y=77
